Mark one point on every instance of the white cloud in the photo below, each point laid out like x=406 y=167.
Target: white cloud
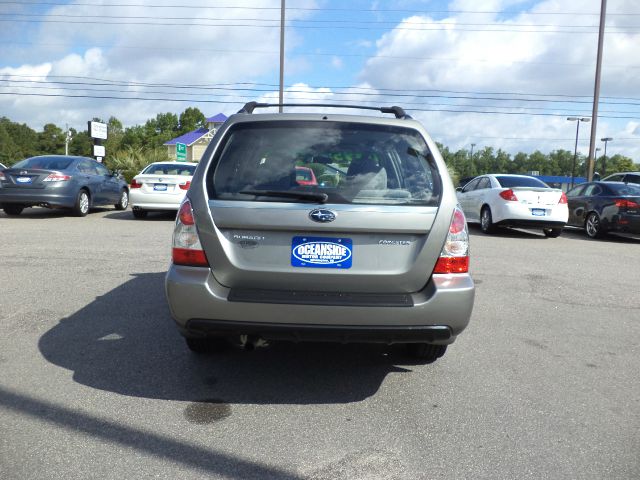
x=433 y=55
x=171 y=54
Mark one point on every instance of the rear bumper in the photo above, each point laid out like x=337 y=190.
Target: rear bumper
x=531 y=223
x=155 y=201
x=624 y=223
x=514 y=214
x=437 y=314
x=323 y=333
x=34 y=197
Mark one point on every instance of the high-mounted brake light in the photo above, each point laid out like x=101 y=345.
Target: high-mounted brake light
x=509 y=195
x=185 y=186
x=454 y=257
x=563 y=199
x=187 y=249
x=57 y=177
x=135 y=184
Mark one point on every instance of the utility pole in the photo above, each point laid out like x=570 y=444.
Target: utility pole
x=281 y=96
x=596 y=92
x=67 y=139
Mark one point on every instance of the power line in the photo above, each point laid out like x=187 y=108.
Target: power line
x=312 y=98
x=190 y=100
x=277 y=20
x=438 y=27
x=350 y=90
x=312 y=9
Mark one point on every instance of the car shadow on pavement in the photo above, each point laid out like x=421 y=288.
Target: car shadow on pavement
x=474 y=229
x=125 y=342
x=151 y=216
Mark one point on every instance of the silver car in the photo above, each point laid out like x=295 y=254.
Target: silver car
x=375 y=250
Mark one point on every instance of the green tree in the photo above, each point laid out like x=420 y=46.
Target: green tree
x=560 y=162
x=51 y=140
x=160 y=129
x=619 y=163
x=191 y=119
x=80 y=143
x=19 y=142
x=115 y=135
x=133 y=137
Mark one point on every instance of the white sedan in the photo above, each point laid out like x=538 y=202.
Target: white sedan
x=514 y=201
x=160 y=186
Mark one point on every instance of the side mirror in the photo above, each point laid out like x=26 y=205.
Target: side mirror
x=458 y=189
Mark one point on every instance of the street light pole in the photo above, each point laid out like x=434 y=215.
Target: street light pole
x=604 y=159
x=575 y=153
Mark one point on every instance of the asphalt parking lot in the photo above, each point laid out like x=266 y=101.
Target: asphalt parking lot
x=95 y=381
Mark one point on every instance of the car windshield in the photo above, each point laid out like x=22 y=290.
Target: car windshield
x=351 y=162
x=169 y=169
x=624 y=189
x=511 y=182
x=45 y=163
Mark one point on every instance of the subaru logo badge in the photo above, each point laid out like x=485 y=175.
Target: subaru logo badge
x=321 y=215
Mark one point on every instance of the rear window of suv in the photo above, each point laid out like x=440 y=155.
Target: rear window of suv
x=352 y=163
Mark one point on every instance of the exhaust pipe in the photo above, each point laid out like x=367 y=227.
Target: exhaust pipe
x=251 y=342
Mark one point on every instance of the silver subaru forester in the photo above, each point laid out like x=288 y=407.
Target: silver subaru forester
x=321 y=227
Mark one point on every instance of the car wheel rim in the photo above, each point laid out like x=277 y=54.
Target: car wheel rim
x=485 y=219
x=124 y=200
x=592 y=225
x=84 y=203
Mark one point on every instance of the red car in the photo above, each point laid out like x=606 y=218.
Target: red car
x=305 y=176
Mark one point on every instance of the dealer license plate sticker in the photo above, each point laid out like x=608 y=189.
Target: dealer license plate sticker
x=160 y=187
x=23 y=179
x=538 y=212
x=321 y=252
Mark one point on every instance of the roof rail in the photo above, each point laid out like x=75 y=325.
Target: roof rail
x=399 y=112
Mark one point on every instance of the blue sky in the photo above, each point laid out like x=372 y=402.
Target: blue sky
x=500 y=73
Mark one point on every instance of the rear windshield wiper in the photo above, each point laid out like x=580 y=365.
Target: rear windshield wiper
x=311 y=196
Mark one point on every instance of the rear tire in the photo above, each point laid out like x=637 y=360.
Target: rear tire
x=552 y=232
x=593 y=226
x=124 y=200
x=139 y=214
x=426 y=352
x=13 y=210
x=81 y=207
x=486 y=220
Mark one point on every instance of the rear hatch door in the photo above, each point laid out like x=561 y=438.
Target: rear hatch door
x=369 y=225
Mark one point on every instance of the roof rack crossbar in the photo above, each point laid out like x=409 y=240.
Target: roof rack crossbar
x=399 y=112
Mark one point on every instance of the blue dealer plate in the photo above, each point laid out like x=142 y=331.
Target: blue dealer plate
x=160 y=187
x=321 y=252
x=538 y=212
x=23 y=179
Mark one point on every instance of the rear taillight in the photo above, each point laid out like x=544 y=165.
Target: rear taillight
x=624 y=203
x=563 y=199
x=454 y=257
x=185 y=186
x=2 y=177
x=187 y=249
x=135 y=184
x=509 y=195
x=57 y=177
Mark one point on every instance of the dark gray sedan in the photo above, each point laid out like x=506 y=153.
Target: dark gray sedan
x=60 y=181
x=603 y=207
